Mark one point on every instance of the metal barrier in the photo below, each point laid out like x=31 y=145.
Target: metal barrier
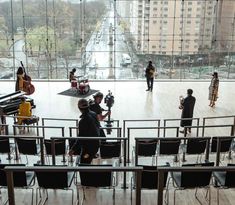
x=24 y=117
x=219 y=117
x=119 y=130
x=39 y=126
x=59 y=119
x=179 y=119
x=209 y=126
x=92 y=138
x=158 y=121
x=137 y=139
x=10 y=183
x=145 y=128
x=41 y=139
x=162 y=170
x=5 y=128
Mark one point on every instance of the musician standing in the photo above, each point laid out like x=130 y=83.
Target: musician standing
x=20 y=79
x=187 y=106
x=149 y=74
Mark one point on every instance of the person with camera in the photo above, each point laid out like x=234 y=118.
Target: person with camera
x=95 y=107
x=149 y=74
x=187 y=107
x=88 y=126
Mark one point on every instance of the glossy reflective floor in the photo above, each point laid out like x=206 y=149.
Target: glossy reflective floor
x=132 y=102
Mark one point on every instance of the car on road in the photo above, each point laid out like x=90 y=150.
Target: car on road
x=126 y=59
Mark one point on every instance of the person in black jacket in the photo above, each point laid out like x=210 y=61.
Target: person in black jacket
x=149 y=74
x=88 y=127
x=95 y=107
x=187 y=106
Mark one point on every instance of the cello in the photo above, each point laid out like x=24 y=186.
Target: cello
x=28 y=86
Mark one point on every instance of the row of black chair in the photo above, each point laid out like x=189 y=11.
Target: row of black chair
x=108 y=149
x=57 y=180
x=192 y=146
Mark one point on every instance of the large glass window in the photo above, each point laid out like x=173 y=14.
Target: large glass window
x=115 y=39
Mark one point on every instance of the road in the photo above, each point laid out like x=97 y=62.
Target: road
x=99 y=51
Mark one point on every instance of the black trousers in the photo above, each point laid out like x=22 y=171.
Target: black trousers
x=150 y=83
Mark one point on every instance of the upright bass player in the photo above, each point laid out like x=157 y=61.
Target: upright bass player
x=23 y=81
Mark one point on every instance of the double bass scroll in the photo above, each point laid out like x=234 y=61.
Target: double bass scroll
x=28 y=86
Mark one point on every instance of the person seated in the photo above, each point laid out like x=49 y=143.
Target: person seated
x=25 y=110
x=72 y=75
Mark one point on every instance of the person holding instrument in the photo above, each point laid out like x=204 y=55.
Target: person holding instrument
x=20 y=79
x=23 y=81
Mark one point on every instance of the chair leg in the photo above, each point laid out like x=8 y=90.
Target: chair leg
x=32 y=196
x=174 y=195
x=217 y=196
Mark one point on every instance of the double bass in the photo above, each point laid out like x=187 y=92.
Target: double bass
x=28 y=87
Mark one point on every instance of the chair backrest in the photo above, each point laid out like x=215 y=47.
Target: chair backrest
x=96 y=179
x=19 y=178
x=225 y=144
x=4 y=145
x=196 y=146
x=59 y=146
x=230 y=177
x=77 y=148
x=169 y=146
x=27 y=146
x=150 y=177
x=196 y=179
x=147 y=147
x=110 y=149
x=52 y=180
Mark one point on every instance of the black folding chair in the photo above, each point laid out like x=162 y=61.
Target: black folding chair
x=110 y=150
x=24 y=180
x=27 y=147
x=225 y=145
x=53 y=180
x=149 y=179
x=5 y=147
x=195 y=146
x=169 y=147
x=193 y=180
x=96 y=179
x=146 y=148
x=60 y=148
x=76 y=149
x=224 y=180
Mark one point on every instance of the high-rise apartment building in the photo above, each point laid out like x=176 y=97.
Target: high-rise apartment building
x=226 y=26
x=166 y=27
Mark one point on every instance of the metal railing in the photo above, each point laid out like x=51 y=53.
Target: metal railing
x=44 y=119
x=158 y=121
x=210 y=126
x=10 y=183
x=119 y=130
x=38 y=127
x=179 y=119
x=16 y=117
x=218 y=117
x=5 y=127
x=41 y=142
x=145 y=128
